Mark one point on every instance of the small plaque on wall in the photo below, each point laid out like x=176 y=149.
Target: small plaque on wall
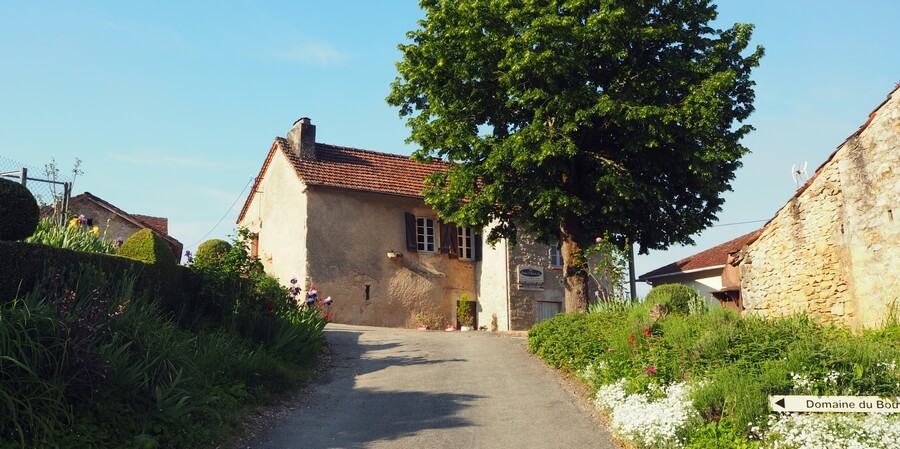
x=530 y=277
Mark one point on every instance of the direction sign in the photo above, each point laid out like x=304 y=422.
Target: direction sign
x=834 y=404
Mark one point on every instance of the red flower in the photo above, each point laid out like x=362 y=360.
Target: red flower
x=646 y=332
x=651 y=370
x=270 y=306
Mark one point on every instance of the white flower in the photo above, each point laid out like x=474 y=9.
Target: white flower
x=821 y=430
x=646 y=422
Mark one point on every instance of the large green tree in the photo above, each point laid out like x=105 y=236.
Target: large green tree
x=577 y=118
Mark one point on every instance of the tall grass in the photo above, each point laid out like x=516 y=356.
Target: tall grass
x=85 y=361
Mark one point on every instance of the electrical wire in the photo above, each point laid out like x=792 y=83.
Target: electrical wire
x=225 y=215
x=739 y=223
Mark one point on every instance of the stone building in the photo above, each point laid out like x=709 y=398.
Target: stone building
x=115 y=223
x=353 y=223
x=832 y=251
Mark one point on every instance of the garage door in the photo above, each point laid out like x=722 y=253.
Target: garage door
x=546 y=309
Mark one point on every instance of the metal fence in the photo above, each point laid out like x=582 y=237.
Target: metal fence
x=51 y=191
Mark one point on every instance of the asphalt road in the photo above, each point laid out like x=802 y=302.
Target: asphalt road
x=399 y=388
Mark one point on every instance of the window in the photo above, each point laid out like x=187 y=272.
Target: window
x=556 y=259
x=254 y=246
x=425 y=235
x=466 y=243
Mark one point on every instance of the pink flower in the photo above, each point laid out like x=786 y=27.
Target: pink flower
x=651 y=370
x=598 y=240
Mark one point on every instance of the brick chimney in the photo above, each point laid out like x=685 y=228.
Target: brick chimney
x=302 y=138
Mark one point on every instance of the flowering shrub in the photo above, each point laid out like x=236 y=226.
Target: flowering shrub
x=733 y=365
x=656 y=419
x=74 y=236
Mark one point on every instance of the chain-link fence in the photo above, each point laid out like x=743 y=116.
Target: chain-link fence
x=51 y=190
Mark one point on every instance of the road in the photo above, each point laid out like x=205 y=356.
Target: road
x=400 y=388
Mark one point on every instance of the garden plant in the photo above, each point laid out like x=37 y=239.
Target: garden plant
x=88 y=359
x=702 y=378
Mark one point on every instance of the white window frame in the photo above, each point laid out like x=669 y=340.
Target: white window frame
x=425 y=240
x=465 y=243
x=556 y=257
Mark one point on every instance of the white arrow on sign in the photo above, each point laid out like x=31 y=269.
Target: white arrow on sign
x=834 y=404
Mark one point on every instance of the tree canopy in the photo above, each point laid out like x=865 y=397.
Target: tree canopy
x=580 y=117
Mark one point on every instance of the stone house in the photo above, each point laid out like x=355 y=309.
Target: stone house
x=832 y=251
x=114 y=223
x=354 y=224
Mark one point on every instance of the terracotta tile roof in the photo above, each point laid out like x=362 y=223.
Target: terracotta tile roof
x=713 y=257
x=353 y=169
x=159 y=224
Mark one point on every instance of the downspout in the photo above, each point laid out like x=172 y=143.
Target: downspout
x=508 y=288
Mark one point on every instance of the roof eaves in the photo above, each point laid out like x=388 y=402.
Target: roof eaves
x=646 y=278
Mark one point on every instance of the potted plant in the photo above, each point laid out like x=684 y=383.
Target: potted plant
x=464 y=313
x=422 y=320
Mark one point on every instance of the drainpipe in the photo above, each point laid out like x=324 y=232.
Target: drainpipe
x=508 y=288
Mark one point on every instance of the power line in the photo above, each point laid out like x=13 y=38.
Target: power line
x=739 y=223
x=225 y=215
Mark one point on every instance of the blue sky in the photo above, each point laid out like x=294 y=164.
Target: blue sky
x=172 y=106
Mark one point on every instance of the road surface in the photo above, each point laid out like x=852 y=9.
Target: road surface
x=400 y=388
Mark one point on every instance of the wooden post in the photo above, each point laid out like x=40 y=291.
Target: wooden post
x=632 y=285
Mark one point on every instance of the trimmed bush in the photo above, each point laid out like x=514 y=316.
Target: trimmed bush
x=19 y=210
x=146 y=245
x=677 y=296
x=211 y=249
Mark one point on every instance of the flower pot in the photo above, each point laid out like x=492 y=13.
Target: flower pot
x=465 y=328
x=422 y=327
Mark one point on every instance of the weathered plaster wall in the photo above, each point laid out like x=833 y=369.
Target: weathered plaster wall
x=832 y=251
x=493 y=291
x=278 y=214
x=524 y=303
x=349 y=236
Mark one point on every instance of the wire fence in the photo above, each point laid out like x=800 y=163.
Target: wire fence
x=51 y=190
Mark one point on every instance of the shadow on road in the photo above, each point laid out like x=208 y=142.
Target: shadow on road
x=339 y=413
x=409 y=413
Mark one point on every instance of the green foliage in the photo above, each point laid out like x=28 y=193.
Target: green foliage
x=464 y=311
x=569 y=340
x=24 y=264
x=32 y=389
x=608 y=268
x=86 y=338
x=680 y=298
x=733 y=363
x=621 y=116
x=77 y=238
x=147 y=246
x=210 y=251
x=19 y=210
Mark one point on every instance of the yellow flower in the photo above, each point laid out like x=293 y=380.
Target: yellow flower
x=73 y=222
x=96 y=230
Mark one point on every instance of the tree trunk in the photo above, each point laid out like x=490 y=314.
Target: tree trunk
x=575 y=272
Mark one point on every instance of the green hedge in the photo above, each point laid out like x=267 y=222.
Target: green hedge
x=23 y=265
x=18 y=209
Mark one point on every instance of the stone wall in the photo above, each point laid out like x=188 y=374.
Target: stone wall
x=832 y=250
x=523 y=303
